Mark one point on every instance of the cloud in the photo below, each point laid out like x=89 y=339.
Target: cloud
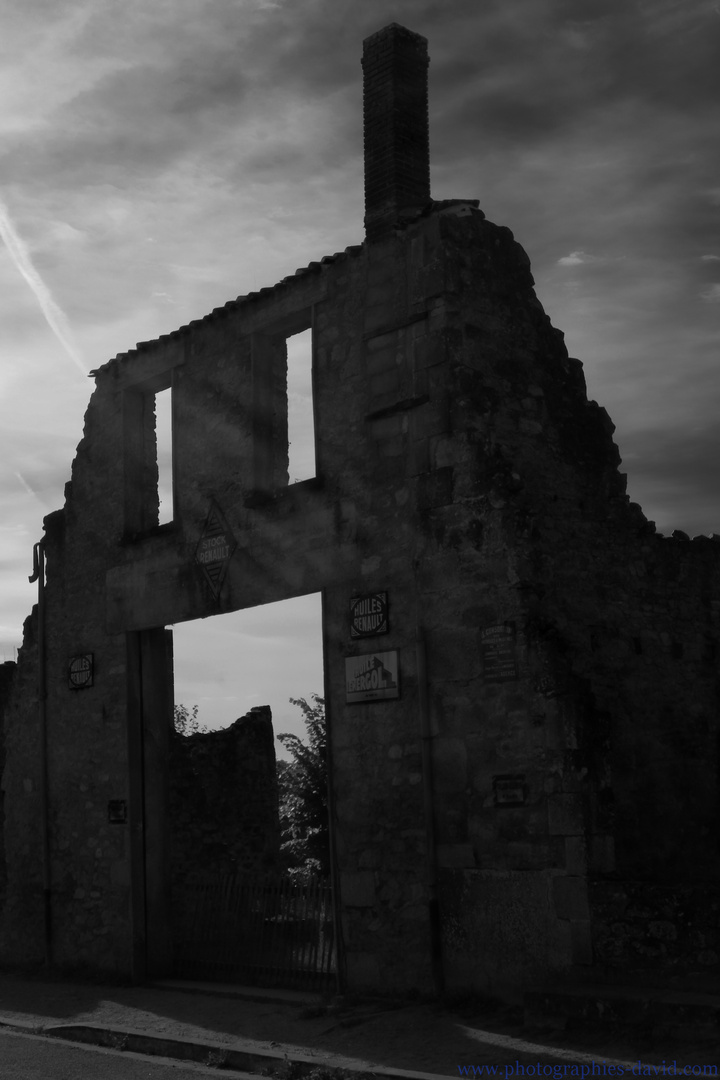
x=712 y=294
x=54 y=316
x=576 y=258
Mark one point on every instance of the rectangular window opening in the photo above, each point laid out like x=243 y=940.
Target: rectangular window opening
x=301 y=416
x=148 y=457
x=164 y=450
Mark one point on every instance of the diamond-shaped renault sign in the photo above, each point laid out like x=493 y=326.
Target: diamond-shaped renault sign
x=215 y=549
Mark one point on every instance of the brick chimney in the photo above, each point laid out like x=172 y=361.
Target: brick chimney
x=395 y=114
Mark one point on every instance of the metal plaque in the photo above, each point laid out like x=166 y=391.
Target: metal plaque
x=498 y=653
x=510 y=790
x=215 y=549
x=80 y=671
x=117 y=812
x=369 y=615
x=374 y=676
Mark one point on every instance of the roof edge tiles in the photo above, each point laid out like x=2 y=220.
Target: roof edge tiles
x=232 y=305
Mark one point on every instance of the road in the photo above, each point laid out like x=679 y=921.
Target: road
x=33 y=1057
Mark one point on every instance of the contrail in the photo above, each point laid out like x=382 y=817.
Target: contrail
x=30 y=491
x=54 y=316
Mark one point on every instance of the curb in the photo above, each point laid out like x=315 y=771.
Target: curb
x=676 y=1014
x=242 y=1058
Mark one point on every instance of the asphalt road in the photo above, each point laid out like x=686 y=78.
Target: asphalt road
x=33 y=1057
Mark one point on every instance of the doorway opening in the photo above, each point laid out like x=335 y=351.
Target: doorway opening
x=249 y=899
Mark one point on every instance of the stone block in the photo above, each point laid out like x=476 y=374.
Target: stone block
x=391 y=448
x=357 y=889
x=570 y=897
x=601 y=854
x=581 y=941
x=444 y=451
x=369 y=859
x=456 y=856
x=565 y=814
x=484 y=910
x=435 y=488
x=383 y=383
x=386 y=426
x=449 y=756
x=379 y=316
x=418 y=458
x=433 y=418
x=430 y=351
x=575 y=855
x=363 y=970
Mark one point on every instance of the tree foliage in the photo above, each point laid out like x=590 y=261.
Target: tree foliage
x=186 y=720
x=302 y=785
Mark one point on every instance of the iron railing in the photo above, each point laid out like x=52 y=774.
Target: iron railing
x=263 y=931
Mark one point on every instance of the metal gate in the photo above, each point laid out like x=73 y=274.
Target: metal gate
x=259 y=931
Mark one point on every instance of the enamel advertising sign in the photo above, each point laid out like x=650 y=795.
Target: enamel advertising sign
x=369 y=615
x=498 y=653
x=372 y=677
x=80 y=671
x=215 y=549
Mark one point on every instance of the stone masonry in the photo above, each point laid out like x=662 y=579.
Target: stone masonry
x=544 y=787
x=223 y=800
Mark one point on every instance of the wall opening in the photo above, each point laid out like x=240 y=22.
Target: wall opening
x=264 y=655
x=148 y=455
x=164 y=450
x=301 y=417
x=227 y=836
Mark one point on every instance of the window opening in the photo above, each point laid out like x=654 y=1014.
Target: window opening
x=164 y=448
x=301 y=419
x=148 y=456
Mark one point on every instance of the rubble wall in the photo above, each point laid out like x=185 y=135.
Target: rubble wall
x=223 y=801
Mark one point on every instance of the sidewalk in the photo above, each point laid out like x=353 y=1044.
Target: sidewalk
x=288 y=1035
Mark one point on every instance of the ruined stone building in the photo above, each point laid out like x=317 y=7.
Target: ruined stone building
x=521 y=674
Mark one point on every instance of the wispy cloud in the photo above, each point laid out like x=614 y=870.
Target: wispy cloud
x=576 y=258
x=712 y=295
x=54 y=316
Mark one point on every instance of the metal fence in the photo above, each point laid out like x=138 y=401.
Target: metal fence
x=262 y=931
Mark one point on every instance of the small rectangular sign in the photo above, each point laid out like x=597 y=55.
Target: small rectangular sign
x=374 y=676
x=510 y=790
x=369 y=615
x=117 y=812
x=498 y=653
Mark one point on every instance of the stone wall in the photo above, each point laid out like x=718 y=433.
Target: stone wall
x=645 y=929
x=7 y=674
x=224 y=800
x=21 y=926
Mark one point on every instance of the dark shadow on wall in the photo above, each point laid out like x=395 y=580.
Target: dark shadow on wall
x=7 y=673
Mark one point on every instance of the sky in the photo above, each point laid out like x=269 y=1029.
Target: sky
x=160 y=157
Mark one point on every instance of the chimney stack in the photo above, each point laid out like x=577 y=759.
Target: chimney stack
x=395 y=115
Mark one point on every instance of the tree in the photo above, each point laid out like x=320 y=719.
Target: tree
x=186 y=720
x=302 y=786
